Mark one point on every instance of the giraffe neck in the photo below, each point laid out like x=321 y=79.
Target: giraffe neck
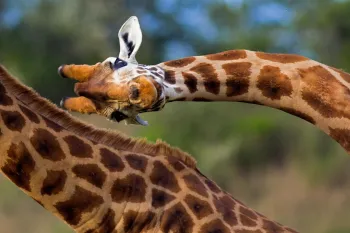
x=305 y=88
x=99 y=181
x=84 y=176
x=66 y=173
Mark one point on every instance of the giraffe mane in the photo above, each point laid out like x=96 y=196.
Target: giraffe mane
x=114 y=139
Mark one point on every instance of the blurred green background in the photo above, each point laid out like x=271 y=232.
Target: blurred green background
x=277 y=164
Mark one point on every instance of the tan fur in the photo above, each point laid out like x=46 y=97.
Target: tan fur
x=109 y=138
x=148 y=92
x=80 y=104
x=80 y=73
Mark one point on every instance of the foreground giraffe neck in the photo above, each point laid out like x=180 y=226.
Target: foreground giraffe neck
x=101 y=182
x=308 y=89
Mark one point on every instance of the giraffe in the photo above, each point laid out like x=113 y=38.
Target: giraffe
x=99 y=181
x=292 y=83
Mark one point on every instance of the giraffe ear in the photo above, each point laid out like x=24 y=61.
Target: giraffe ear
x=130 y=38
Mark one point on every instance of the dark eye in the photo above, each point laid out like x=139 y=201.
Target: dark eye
x=119 y=63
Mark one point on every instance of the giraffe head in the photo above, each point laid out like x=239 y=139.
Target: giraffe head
x=118 y=88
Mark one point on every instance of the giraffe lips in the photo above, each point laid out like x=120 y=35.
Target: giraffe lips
x=118 y=116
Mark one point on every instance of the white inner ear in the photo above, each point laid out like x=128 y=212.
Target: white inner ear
x=130 y=39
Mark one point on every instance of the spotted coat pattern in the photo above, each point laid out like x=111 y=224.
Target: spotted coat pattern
x=295 y=84
x=99 y=188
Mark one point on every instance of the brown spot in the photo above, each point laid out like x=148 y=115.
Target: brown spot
x=212 y=186
x=318 y=103
x=195 y=185
x=142 y=71
x=227 y=200
x=153 y=69
x=210 y=77
x=237 y=81
x=13 y=120
x=270 y=226
x=137 y=162
x=178 y=90
x=47 y=145
x=226 y=207
x=30 y=114
x=342 y=136
x=80 y=203
x=111 y=160
x=160 y=198
x=5 y=100
x=190 y=81
x=135 y=222
x=107 y=224
x=132 y=189
x=199 y=207
x=175 y=163
x=246 y=221
x=273 y=84
x=54 y=182
x=180 y=62
x=228 y=55
x=299 y=114
x=78 y=147
x=201 y=99
x=161 y=176
x=158 y=87
x=281 y=58
x=19 y=165
x=215 y=226
x=169 y=76
x=324 y=93
x=176 y=219
x=248 y=212
x=52 y=125
x=91 y=173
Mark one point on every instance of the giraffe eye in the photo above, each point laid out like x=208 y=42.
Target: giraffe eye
x=119 y=63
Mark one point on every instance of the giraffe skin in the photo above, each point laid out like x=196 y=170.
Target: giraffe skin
x=120 y=88
x=300 y=86
x=310 y=90
x=98 y=181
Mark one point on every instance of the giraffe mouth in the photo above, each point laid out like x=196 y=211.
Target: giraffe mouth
x=119 y=116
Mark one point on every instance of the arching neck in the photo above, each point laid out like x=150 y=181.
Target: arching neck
x=305 y=88
x=83 y=175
